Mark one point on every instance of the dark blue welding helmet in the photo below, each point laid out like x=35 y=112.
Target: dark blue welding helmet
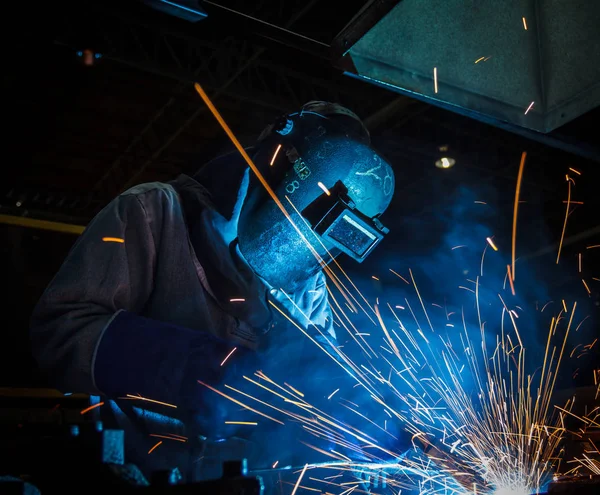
x=320 y=165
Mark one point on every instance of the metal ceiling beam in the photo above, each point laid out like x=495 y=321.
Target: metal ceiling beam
x=229 y=68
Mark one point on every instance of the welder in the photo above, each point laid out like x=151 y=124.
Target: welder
x=171 y=287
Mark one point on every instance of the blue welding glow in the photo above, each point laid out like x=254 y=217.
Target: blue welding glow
x=187 y=9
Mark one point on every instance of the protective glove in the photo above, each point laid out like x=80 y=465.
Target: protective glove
x=164 y=362
x=201 y=407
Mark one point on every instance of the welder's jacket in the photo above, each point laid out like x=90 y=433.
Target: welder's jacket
x=140 y=257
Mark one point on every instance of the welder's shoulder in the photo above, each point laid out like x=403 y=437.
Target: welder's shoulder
x=152 y=194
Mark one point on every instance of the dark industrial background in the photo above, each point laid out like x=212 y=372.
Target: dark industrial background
x=75 y=135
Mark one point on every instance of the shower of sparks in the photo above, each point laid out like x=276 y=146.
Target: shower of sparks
x=529 y=107
x=562 y=235
x=87 y=409
x=515 y=211
x=324 y=188
x=498 y=434
x=502 y=437
x=491 y=243
x=525 y=23
x=228 y=356
x=435 y=81
x=113 y=239
x=275 y=155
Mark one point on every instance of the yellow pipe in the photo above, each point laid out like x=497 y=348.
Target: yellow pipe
x=34 y=223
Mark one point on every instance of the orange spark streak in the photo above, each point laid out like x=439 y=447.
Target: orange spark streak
x=575 y=171
x=421 y=300
x=435 y=83
x=155 y=447
x=594 y=246
x=525 y=23
x=392 y=343
x=299 y=479
x=91 y=407
x=168 y=437
x=579 y=262
x=510 y=280
x=515 y=211
x=249 y=423
x=275 y=155
x=562 y=236
x=586 y=287
x=113 y=239
x=374 y=277
x=139 y=397
x=228 y=356
x=293 y=389
x=239 y=299
x=479 y=60
x=399 y=276
x=456 y=247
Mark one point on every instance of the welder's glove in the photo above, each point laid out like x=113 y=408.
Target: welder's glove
x=204 y=410
x=164 y=362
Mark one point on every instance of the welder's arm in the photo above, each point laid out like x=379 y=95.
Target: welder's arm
x=85 y=331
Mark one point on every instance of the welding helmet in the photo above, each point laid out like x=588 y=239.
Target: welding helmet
x=334 y=186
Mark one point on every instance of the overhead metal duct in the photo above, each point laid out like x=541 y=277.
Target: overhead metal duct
x=530 y=63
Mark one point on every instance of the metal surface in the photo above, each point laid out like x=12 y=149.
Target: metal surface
x=590 y=151
x=491 y=61
x=242 y=23
x=71 y=459
x=580 y=485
